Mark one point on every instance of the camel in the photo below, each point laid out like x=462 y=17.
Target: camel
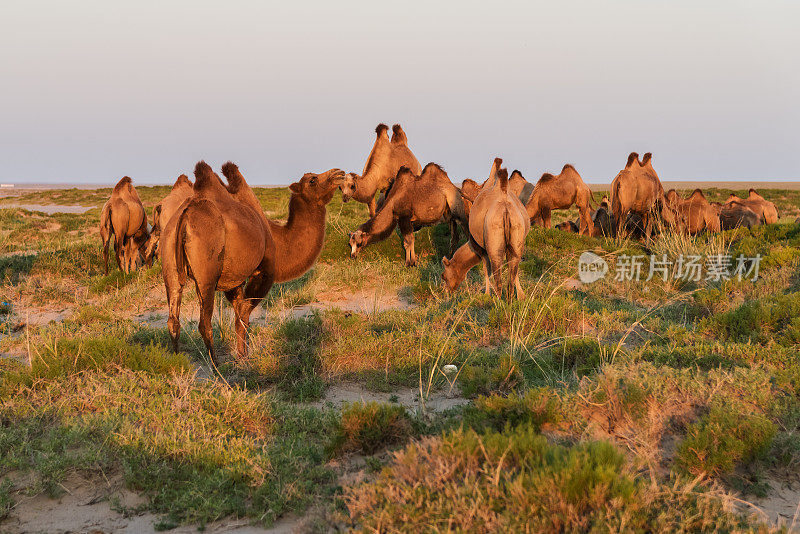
x=637 y=189
x=561 y=192
x=498 y=224
x=123 y=216
x=222 y=241
x=698 y=214
x=736 y=214
x=603 y=223
x=163 y=212
x=765 y=209
x=413 y=202
x=383 y=162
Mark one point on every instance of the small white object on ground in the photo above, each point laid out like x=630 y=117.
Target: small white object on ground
x=449 y=369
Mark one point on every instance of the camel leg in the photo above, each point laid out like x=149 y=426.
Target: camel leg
x=119 y=251
x=205 y=295
x=372 y=205
x=621 y=222
x=587 y=226
x=514 y=287
x=496 y=264
x=407 y=230
x=105 y=253
x=244 y=300
x=546 y=218
x=453 y=236
x=174 y=294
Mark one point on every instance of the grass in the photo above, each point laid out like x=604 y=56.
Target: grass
x=627 y=405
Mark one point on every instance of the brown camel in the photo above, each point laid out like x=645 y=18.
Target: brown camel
x=383 y=162
x=221 y=239
x=498 y=224
x=163 y=212
x=603 y=223
x=698 y=214
x=569 y=226
x=735 y=214
x=561 y=192
x=762 y=207
x=637 y=189
x=411 y=203
x=123 y=216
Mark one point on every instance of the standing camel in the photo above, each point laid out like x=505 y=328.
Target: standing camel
x=222 y=241
x=411 y=203
x=498 y=224
x=123 y=216
x=383 y=162
x=561 y=192
x=637 y=189
x=163 y=212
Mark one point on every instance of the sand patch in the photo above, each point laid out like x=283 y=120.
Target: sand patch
x=337 y=395
x=782 y=503
x=362 y=302
x=87 y=507
x=49 y=209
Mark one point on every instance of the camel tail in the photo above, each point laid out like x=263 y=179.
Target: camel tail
x=180 y=249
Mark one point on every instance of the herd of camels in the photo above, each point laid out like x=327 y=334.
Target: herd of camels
x=216 y=234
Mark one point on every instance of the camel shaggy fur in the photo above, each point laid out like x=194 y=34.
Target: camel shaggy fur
x=698 y=214
x=765 y=209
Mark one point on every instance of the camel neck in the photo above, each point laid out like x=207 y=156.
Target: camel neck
x=299 y=241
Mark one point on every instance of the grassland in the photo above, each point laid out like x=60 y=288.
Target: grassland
x=616 y=405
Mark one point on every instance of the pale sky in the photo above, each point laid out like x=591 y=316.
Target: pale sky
x=94 y=90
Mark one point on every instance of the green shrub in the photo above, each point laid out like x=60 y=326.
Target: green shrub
x=485 y=379
x=724 y=439
x=515 y=481
x=369 y=427
x=536 y=407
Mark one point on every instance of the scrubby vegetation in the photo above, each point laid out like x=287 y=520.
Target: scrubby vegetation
x=373 y=400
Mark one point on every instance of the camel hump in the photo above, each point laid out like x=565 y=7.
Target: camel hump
x=204 y=176
x=546 y=177
x=123 y=184
x=503 y=175
x=514 y=173
x=182 y=180
x=633 y=156
x=698 y=193
x=235 y=179
x=381 y=129
x=568 y=166
x=398 y=135
x=646 y=158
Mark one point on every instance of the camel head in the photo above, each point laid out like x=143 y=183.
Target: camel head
x=358 y=240
x=672 y=198
x=134 y=254
x=449 y=279
x=348 y=185
x=469 y=192
x=318 y=188
x=669 y=213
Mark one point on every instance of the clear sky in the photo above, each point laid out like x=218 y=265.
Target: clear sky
x=93 y=90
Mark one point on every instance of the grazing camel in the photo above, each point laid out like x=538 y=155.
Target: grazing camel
x=222 y=241
x=498 y=224
x=637 y=189
x=413 y=202
x=569 y=226
x=383 y=162
x=698 y=214
x=603 y=223
x=765 y=209
x=561 y=192
x=123 y=216
x=735 y=214
x=163 y=212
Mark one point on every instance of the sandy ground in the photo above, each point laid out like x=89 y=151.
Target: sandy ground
x=86 y=506
x=48 y=208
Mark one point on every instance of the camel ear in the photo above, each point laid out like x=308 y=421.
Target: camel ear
x=296 y=188
x=445 y=262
